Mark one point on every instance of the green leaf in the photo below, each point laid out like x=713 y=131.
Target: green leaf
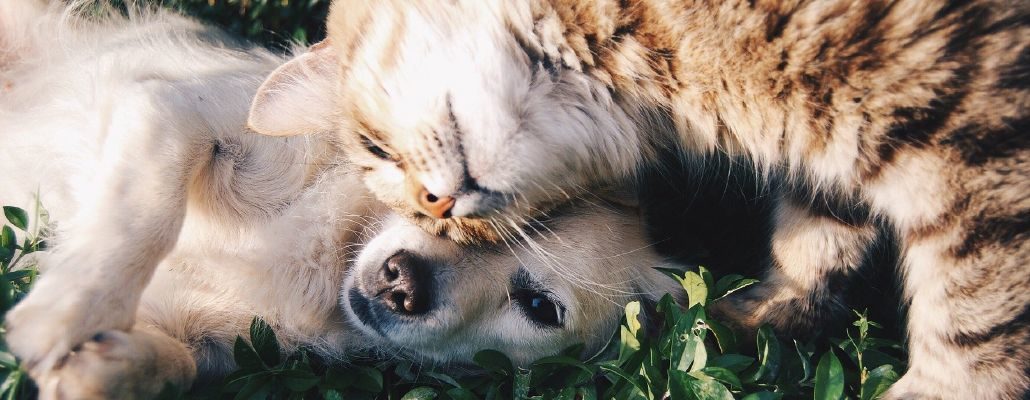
x=338 y=378
x=255 y=389
x=8 y=361
x=723 y=375
x=733 y=362
x=623 y=375
x=696 y=385
x=420 y=393
x=246 y=358
x=628 y=344
x=264 y=341
x=8 y=239
x=707 y=388
x=829 y=378
x=461 y=394
x=694 y=284
x=18 y=217
x=804 y=356
x=494 y=361
x=878 y=381
x=763 y=396
x=299 y=380
x=687 y=347
x=679 y=387
x=520 y=389
x=586 y=393
x=730 y=284
x=724 y=336
x=12 y=385
x=563 y=360
x=442 y=378
x=368 y=379
x=768 y=356
x=633 y=317
x=333 y=394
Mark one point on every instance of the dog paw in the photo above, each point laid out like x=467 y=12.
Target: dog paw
x=40 y=332
x=118 y=365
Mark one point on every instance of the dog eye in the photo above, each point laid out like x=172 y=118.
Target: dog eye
x=540 y=308
x=375 y=150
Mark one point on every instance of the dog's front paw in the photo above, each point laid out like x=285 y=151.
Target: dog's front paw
x=43 y=328
x=119 y=365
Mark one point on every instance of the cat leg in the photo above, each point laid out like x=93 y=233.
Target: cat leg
x=128 y=220
x=137 y=364
x=813 y=256
x=969 y=318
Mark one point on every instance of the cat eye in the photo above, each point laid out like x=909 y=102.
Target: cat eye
x=535 y=303
x=375 y=149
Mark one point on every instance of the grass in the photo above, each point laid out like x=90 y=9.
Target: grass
x=687 y=355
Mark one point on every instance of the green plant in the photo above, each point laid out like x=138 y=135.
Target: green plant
x=17 y=275
x=679 y=353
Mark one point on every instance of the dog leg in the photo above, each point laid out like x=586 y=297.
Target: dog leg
x=128 y=221
x=120 y=365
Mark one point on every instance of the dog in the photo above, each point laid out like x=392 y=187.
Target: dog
x=174 y=225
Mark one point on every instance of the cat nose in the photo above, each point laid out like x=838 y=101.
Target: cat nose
x=403 y=284
x=437 y=206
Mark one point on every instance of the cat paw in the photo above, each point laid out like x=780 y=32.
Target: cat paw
x=118 y=365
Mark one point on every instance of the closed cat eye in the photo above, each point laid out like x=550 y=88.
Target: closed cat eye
x=375 y=149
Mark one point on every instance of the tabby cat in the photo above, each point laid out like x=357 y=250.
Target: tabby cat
x=475 y=117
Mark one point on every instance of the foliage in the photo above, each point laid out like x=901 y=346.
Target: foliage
x=684 y=354
x=17 y=274
x=276 y=23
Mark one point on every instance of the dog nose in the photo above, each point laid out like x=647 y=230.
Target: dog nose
x=403 y=284
x=439 y=207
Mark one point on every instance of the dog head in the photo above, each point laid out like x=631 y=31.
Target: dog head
x=563 y=283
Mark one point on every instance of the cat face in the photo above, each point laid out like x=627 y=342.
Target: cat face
x=461 y=127
x=426 y=297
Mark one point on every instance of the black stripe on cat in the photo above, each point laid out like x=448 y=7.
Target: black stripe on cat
x=1003 y=230
x=1018 y=323
x=977 y=145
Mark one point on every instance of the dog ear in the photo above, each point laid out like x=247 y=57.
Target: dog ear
x=298 y=97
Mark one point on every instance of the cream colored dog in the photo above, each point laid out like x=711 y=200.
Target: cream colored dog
x=175 y=226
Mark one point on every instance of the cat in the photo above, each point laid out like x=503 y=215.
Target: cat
x=174 y=226
x=475 y=117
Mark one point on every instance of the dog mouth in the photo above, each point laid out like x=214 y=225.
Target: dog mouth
x=360 y=309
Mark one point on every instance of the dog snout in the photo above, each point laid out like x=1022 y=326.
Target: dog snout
x=404 y=284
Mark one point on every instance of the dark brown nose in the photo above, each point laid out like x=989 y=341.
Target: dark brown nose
x=404 y=284
x=439 y=207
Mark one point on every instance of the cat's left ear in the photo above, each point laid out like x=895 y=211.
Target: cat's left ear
x=298 y=97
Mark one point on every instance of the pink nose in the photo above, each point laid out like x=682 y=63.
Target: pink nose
x=439 y=207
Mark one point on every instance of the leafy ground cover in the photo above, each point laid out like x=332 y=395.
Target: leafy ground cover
x=686 y=355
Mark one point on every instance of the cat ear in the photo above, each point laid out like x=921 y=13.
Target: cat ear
x=298 y=97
